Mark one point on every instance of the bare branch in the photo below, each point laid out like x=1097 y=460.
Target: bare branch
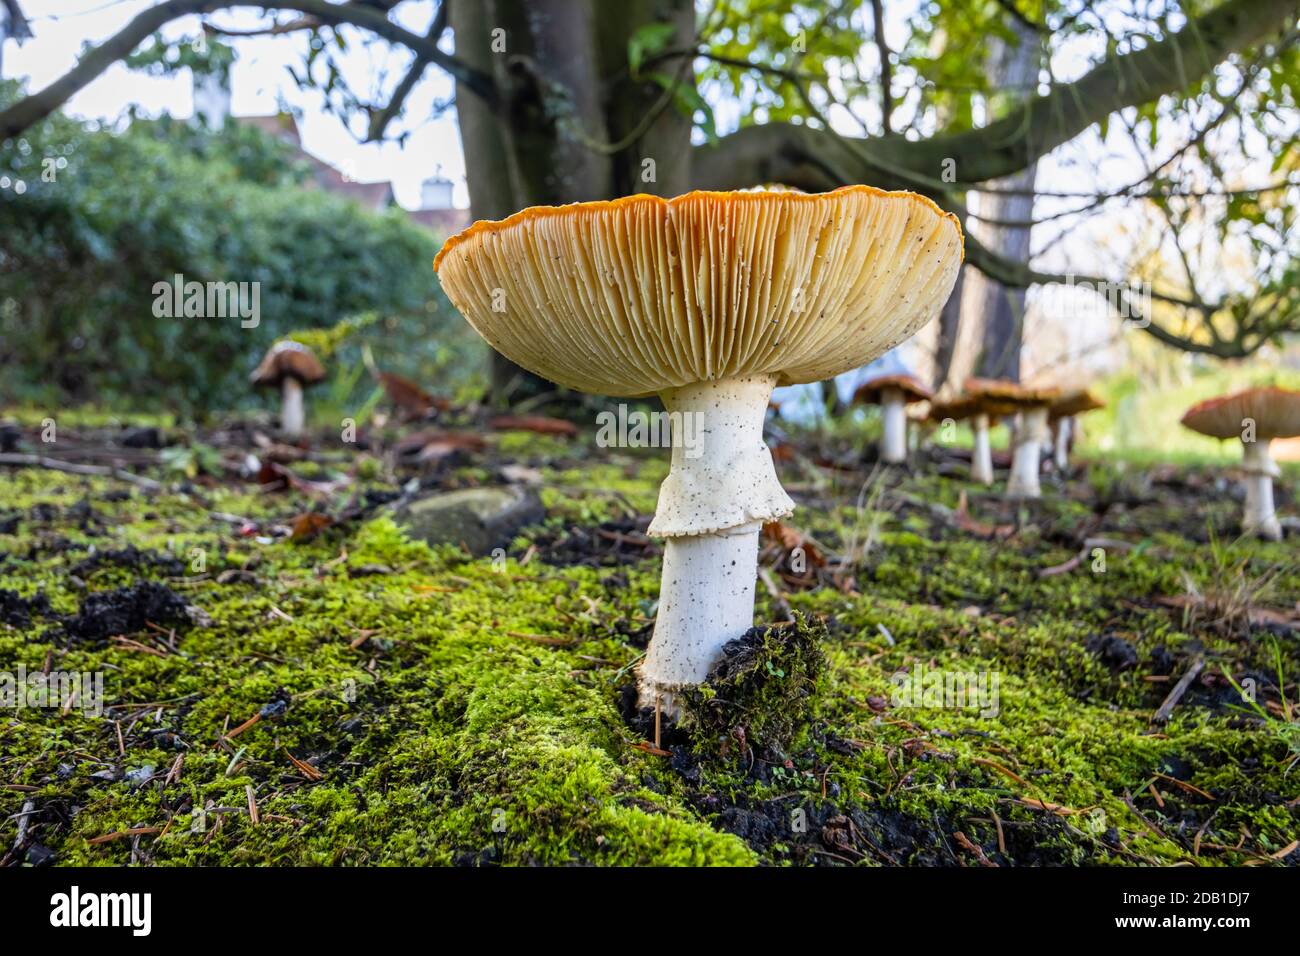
x=37 y=106
x=379 y=121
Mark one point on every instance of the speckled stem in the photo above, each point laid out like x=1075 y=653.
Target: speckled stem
x=722 y=474
x=706 y=598
x=719 y=491
x=1259 y=468
x=1030 y=438
x=981 y=458
x=893 y=444
x=291 y=412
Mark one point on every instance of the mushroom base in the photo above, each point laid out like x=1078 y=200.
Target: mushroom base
x=705 y=600
x=291 y=412
x=1030 y=437
x=893 y=443
x=1062 y=439
x=1259 y=519
x=981 y=458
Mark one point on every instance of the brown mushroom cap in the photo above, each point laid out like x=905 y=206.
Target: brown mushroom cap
x=642 y=294
x=1275 y=412
x=1075 y=402
x=1004 y=397
x=959 y=408
x=288 y=359
x=872 y=391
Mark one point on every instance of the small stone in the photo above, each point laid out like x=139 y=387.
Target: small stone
x=481 y=519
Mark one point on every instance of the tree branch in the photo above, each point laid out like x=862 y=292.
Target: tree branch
x=1042 y=123
x=31 y=109
x=379 y=121
x=1018 y=275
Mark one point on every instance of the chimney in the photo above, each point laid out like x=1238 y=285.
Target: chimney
x=212 y=90
x=435 y=192
x=211 y=99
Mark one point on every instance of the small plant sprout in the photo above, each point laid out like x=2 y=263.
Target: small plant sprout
x=289 y=366
x=1030 y=435
x=892 y=393
x=708 y=300
x=1255 y=417
x=1061 y=417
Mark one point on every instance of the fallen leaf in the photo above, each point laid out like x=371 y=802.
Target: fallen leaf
x=309 y=524
x=966 y=523
x=540 y=424
x=791 y=539
x=425 y=446
x=409 y=397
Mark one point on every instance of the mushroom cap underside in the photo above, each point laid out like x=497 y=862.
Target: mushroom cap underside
x=642 y=294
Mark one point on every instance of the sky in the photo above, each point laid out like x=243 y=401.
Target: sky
x=259 y=81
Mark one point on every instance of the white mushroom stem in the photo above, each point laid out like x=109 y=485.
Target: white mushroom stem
x=706 y=598
x=981 y=458
x=291 y=412
x=893 y=444
x=1064 y=431
x=1030 y=438
x=1259 y=468
x=721 y=488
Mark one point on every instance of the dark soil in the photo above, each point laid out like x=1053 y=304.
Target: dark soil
x=126 y=610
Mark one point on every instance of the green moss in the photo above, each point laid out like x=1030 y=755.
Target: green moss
x=762 y=696
x=467 y=711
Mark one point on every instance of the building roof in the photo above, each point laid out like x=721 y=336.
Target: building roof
x=445 y=222
x=374 y=195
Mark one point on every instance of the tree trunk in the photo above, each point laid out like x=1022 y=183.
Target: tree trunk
x=1002 y=309
x=945 y=348
x=536 y=146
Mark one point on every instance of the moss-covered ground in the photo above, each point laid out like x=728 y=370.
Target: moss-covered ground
x=417 y=705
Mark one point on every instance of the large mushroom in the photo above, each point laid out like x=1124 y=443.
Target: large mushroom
x=892 y=393
x=1061 y=415
x=708 y=300
x=1255 y=416
x=289 y=366
x=1030 y=435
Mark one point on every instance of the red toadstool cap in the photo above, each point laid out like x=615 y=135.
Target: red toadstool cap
x=1275 y=412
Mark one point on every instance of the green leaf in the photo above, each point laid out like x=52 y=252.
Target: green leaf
x=688 y=101
x=647 y=40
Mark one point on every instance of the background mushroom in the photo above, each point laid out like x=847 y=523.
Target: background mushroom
x=1255 y=416
x=1030 y=436
x=976 y=410
x=1061 y=417
x=709 y=300
x=291 y=366
x=892 y=393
